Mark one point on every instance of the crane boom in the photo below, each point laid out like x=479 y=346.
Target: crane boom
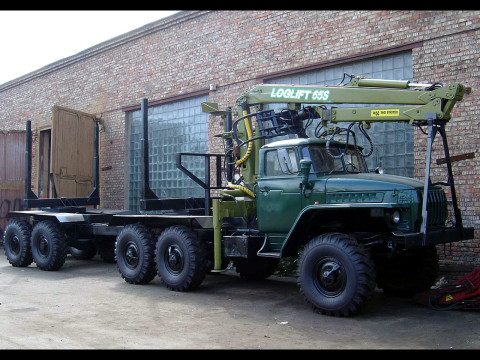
x=414 y=100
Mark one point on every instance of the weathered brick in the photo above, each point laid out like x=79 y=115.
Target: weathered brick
x=234 y=49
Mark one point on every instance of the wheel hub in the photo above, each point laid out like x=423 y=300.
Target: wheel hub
x=174 y=257
x=43 y=246
x=15 y=244
x=330 y=279
x=131 y=255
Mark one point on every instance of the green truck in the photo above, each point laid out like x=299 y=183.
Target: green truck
x=287 y=194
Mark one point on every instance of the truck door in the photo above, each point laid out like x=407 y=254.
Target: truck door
x=279 y=194
x=72 y=152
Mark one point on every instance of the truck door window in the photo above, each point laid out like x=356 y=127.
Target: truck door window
x=281 y=162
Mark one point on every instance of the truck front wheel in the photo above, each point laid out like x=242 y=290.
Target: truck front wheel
x=180 y=258
x=335 y=274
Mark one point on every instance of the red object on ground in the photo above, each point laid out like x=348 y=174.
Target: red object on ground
x=462 y=294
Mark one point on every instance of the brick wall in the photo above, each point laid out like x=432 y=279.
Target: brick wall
x=234 y=49
x=452 y=55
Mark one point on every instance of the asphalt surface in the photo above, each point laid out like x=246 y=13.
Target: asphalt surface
x=87 y=305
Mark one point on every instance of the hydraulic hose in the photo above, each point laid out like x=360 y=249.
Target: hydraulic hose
x=250 y=143
x=243 y=188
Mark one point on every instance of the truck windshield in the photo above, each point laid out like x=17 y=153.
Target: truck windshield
x=324 y=164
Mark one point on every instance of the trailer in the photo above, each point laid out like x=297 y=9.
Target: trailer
x=51 y=228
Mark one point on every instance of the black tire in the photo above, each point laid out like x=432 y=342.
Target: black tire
x=258 y=268
x=409 y=273
x=83 y=254
x=49 y=246
x=134 y=253
x=181 y=259
x=335 y=274
x=16 y=243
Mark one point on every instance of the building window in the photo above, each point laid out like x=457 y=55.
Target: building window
x=173 y=128
x=393 y=142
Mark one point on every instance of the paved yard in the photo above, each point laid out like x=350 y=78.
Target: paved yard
x=87 y=305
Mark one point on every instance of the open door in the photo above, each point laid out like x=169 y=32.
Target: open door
x=72 y=152
x=12 y=173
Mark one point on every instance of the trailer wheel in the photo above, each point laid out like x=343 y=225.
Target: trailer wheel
x=181 y=259
x=335 y=274
x=49 y=246
x=134 y=253
x=16 y=242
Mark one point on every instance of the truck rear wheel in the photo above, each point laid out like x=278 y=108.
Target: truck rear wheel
x=335 y=274
x=16 y=242
x=134 y=252
x=49 y=246
x=181 y=259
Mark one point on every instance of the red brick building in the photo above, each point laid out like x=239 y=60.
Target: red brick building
x=195 y=56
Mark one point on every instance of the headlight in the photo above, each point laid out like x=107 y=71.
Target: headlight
x=396 y=217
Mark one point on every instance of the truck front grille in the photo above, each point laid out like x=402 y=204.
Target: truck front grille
x=436 y=207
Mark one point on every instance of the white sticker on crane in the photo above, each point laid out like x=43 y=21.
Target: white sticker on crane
x=299 y=94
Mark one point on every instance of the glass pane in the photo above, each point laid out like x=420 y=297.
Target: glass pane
x=172 y=128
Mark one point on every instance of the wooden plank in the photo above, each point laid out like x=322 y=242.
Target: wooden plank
x=456 y=158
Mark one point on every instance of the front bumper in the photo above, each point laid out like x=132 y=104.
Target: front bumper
x=433 y=237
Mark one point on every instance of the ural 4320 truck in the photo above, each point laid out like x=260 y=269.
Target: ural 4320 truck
x=286 y=194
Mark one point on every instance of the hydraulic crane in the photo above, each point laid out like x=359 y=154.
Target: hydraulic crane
x=333 y=201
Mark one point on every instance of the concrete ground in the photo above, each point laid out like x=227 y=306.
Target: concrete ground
x=87 y=305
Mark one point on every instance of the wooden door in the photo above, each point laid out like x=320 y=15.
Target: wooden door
x=72 y=152
x=12 y=173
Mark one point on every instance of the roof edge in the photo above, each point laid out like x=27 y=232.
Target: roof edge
x=104 y=46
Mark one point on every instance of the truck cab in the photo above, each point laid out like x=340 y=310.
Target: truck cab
x=307 y=187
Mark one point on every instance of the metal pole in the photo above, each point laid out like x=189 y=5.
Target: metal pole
x=229 y=144
x=28 y=163
x=431 y=136
x=207 y=188
x=96 y=170
x=144 y=144
x=451 y=182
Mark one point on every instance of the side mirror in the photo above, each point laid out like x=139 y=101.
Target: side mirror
x=305 y=165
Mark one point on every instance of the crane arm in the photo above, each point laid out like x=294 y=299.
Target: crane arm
x=391 y=100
